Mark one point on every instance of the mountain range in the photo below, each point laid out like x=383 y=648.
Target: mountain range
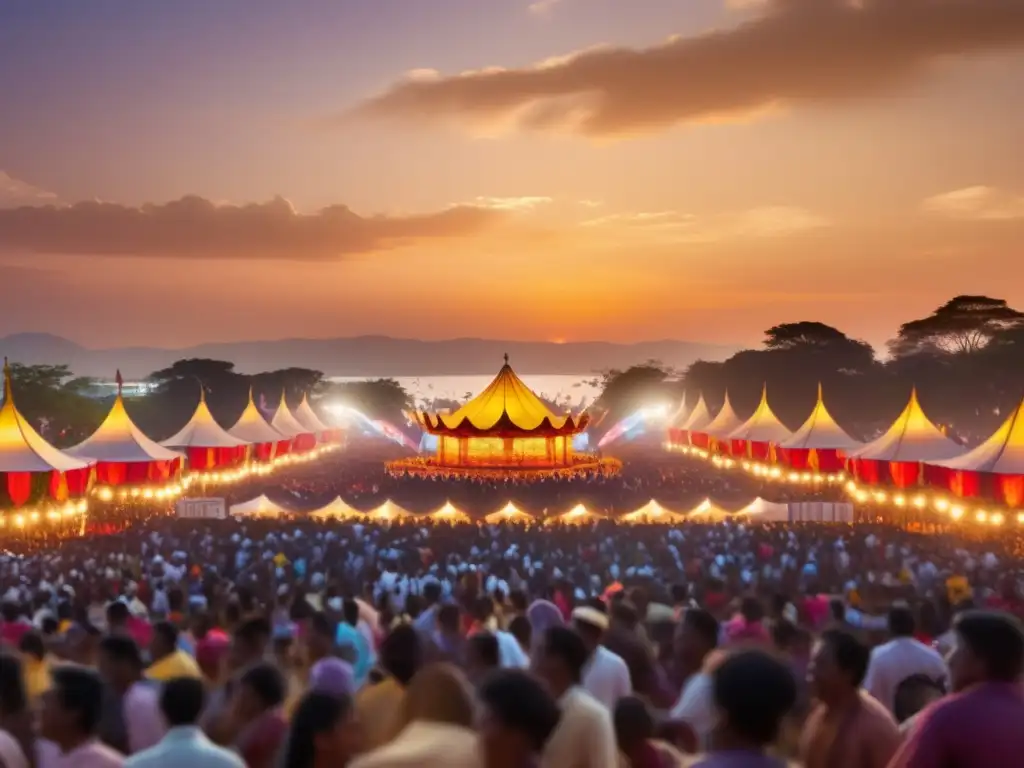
x=363 y=356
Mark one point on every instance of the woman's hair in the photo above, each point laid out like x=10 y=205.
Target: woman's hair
x=317 y=713
x=439 y=693
x=12 y=685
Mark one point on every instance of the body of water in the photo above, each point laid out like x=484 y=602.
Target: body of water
x=569 y=391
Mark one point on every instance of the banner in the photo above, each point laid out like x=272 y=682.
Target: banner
x=202 y=509
x=820 y=512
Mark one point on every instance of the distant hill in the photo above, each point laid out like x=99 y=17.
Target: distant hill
x=363 y=355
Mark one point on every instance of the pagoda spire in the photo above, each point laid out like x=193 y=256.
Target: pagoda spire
x=119 y=379
x=7 y=381
x=506 y=358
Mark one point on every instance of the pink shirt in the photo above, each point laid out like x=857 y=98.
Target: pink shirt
x=92 y=754
x=142 y=717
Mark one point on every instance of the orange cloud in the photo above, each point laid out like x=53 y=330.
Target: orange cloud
x=976 y=204
x=194 y=227
x=17 y=192
x=794 y=51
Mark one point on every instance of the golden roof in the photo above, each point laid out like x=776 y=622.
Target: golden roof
x=763 y=426
x=912 y=438
x=253 y=428
x=118 y=440
x=22 y=449
x=821 y=431
x=202 y=431
x=1001 y=454
x=506 y=404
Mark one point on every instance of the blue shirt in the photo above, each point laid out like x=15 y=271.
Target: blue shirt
x=363 y=662
x=185 y=746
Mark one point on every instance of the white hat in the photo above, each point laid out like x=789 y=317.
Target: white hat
x=591 y=616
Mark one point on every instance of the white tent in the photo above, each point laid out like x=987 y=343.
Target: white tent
x=699 y=418
x=912 y=438
x=253 y=428
x=261 y=506
x=821 y=432
x=708 y=509
x=389 y=511
x=337 y=509
x=682 y=413
x=578 y=515
x=763 y=426
x=653 y=512
x=307 y=417
x=510 y=513
x=202 y=431
x=724 y=424
x=449 y=513
x=1001 y=454
x=766 y=511
x=284 y=422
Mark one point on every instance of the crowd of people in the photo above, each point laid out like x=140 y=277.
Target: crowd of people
x=306 y=644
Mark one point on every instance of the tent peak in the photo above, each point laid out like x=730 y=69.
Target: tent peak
x=7 y=381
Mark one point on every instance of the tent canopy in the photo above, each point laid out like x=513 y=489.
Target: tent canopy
x=307 y=417
x=709 y=509
x=118 y=440
x=508 y=514
x=682 y=413
x=725 y=423
x=577 y=515
x=449 y=513
x=766 y=510
x=388 y=511
x=261 y=506
x=911 y=438
x=821 y=431
x=285 y=423
x=202 y=431
x=763 y=426
x=253 y=428
x=337 y=509
x=699 y=418
x=652 y=511
x=1001 y=454
x=22 y=449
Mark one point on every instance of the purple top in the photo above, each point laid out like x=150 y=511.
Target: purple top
x=980 y=727
x=739 y=759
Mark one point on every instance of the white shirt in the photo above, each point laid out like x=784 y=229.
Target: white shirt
x=606 y=677
x=584 y=737
x=897 y=660
x=511 y=654
x=696 y=707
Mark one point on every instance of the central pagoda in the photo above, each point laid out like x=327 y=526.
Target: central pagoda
x=504 y=430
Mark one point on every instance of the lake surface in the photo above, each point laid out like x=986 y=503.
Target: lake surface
x=570 y=391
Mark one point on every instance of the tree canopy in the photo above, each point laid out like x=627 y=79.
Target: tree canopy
x=963 y=325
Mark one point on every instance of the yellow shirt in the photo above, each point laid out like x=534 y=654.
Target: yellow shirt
x=178 y=664
x=37 y=676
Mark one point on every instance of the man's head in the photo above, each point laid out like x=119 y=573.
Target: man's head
x=989 y=648
x=901 y=621
x=71 y=710
x=117 y=615
x=32 y=646
x=13 y=697
x=753 y=692
x=120 y=661
x=838 y=665
x=561 y=658
x=432 y=593
x=697 y=636
x=181 y=701
x=249 y=642
x=591 y=624
x=401 y=653
x=164 y=641
x=321 y=636
x=260 y=688
x=350 y=612
x=483 y=655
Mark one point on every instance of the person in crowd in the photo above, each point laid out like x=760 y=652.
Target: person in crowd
x=36 y=663
x=14 y=624
x=900 y=658
x=634 y=733
x=483 y=656
x=16 y=737
x=132 y=714
x=167 y=659
x=246 y=647
x=753 y=691
x=848 y=727
x=623 y=639
x=69 y=722
x=427 y=620
x=448 y=641
x=980 y=724
x=437 y=717
x=323 y=733
x=519 y=627
x=377 y=705
x=518 y=718
x=348 y=636
x=256 y=714
x=585 y=736
x=913 y=696
x=606 y=676
x=694 y=712
x=181 y=703
x=486 y=620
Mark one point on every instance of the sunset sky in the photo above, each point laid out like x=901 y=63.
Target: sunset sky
x=189 y=171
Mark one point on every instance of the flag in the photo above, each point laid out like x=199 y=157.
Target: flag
x=120 y=381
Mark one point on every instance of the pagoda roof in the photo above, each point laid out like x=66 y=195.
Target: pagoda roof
x=820 y=431
x=763 y=426
x=725 y=423
x=202 y=431
x=506 y=407
x=118 y=440
x=1001 y=454
x=285 y=423
x=253 y=428
x=911 y=438
x=22 y=449
x=307 y=417
x=699 y=418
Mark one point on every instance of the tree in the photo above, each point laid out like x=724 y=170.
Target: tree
x=55 y=402
x=626 y=392
x=963 y=325
x=384 y=399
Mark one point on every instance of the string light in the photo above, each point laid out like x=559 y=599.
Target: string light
x=26 y=517
x=922 y=500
